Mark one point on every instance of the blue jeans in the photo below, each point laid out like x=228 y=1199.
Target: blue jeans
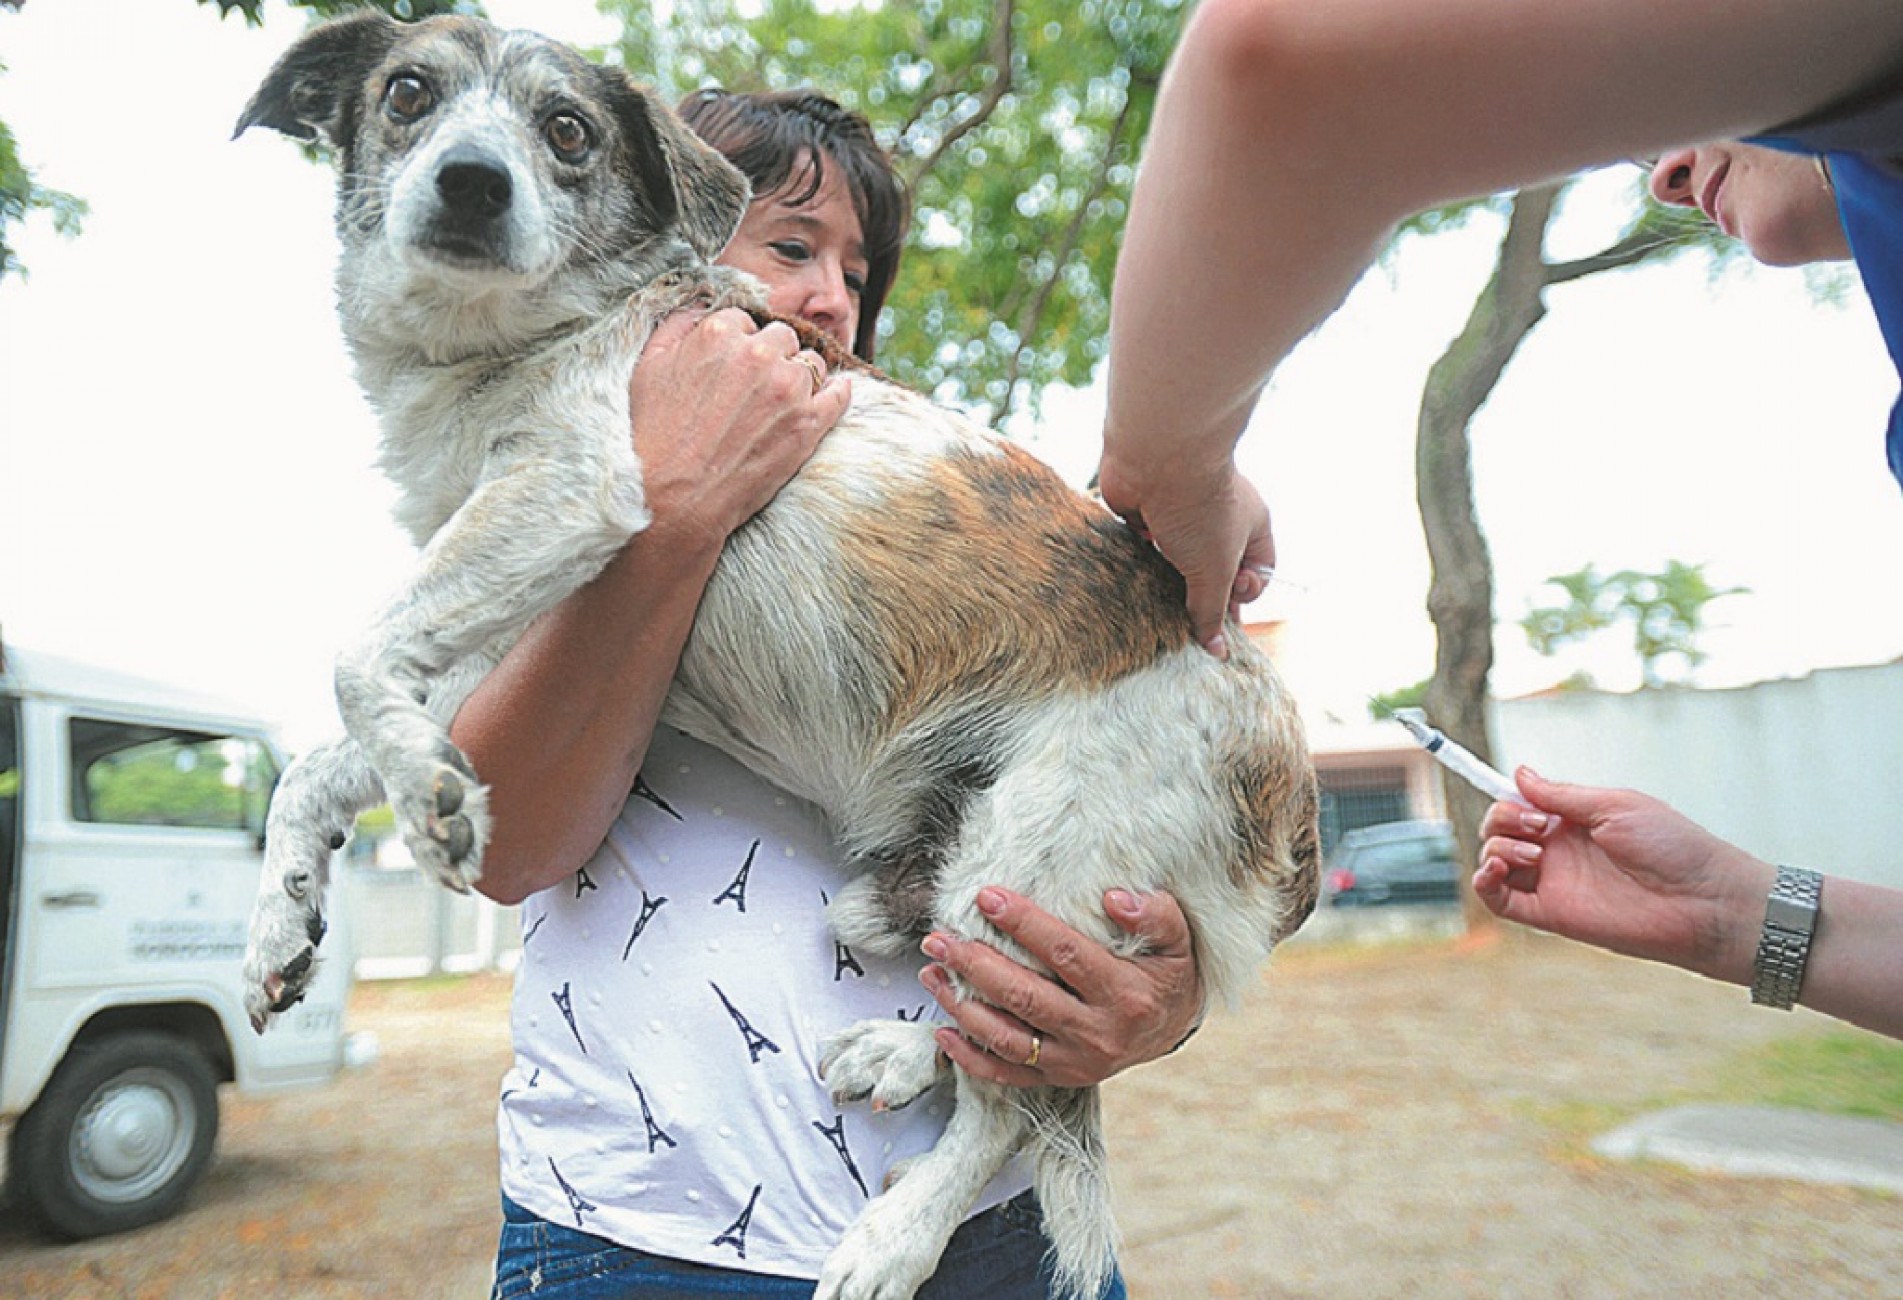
x=999 y=1255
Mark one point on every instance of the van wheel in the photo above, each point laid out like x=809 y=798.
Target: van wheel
x=121 y=1133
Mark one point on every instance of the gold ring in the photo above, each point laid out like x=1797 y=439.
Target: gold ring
x=813 y=368
x=1037 y=1050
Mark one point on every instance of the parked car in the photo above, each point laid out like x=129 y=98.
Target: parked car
x=1396 y=862
x=131 y=834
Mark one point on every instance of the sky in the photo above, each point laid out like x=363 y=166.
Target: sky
x=187 y=480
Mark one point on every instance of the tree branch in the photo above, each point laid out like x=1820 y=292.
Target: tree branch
x=1630 y=251
x=1033 y=313
x=998 y=54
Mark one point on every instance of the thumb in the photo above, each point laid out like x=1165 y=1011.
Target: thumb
x=1579 y=804
x=1156 y=918
x=672 y=329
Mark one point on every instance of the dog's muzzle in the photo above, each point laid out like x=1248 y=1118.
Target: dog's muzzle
x=474 y=192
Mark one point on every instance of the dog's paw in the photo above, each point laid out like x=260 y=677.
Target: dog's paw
x=890 y=1061
x=885 y=1255
x=447 y=828
x=281 y=956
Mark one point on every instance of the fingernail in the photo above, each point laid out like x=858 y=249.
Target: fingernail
x=1527 y=853
x=990 y=901
x=1217 y=645
x=1125 y=903
x=931 y=976
x=935 y=947
x=1534 y=822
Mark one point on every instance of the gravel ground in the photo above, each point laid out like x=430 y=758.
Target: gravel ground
x=1406 y=1119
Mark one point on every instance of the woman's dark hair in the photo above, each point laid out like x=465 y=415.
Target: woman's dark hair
x=782 y=140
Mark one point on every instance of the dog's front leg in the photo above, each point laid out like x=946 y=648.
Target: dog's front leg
x=312 y=810
x=522 y=542
x=895 y=1244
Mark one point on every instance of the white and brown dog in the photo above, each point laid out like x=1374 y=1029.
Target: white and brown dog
x=979 y=675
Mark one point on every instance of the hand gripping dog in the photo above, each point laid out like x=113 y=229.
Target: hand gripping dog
x=980 y=676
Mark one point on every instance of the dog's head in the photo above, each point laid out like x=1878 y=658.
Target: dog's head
x=483 y=159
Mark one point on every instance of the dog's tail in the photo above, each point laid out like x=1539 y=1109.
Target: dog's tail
x=1072 y=1177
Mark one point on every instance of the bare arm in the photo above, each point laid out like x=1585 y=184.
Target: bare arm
x=1625 y=872
x=559 y=729
x=1290 y=137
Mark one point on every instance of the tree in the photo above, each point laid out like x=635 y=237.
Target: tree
x=1666 y=610
x=1509 y=307
x=21 y=195
x=1017 y=125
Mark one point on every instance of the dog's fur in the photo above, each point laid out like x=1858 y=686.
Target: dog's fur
x=980 y=676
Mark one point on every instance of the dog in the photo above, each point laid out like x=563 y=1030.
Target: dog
x=978 y=674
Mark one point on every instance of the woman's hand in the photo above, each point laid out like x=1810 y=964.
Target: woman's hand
x=1626 y=872
x=1213 y=527
x=1100 y=1014
x=725 y=413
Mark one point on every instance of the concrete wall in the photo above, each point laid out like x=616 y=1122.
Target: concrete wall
x=1807 y=771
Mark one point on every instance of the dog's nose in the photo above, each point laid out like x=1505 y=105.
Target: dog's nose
x=474 y=185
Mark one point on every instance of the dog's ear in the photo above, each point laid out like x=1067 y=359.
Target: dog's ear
x=313 y=89
x=688 y=180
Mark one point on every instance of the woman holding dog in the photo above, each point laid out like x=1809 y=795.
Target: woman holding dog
x=1290 y=138
x=695 y=907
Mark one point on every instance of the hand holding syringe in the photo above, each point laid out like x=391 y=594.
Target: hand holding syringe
x=1459 y=760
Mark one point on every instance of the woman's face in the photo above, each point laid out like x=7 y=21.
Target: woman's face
x=1778 y=203
x=812 y=257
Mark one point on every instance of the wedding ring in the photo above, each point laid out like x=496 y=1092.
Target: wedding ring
x=1037 y=1050
x=813 y=368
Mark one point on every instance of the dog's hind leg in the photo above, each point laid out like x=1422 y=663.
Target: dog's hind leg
x=895 y=1244
x=312 y=811
x=519 y=545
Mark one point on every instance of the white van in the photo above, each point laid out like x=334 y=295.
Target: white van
x=131 y=825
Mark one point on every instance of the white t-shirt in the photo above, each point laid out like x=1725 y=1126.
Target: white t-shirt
x=669 y=1012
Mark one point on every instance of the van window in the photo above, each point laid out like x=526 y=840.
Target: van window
x=132 y=774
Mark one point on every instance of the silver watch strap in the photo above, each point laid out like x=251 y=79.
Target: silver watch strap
x=1790 y=919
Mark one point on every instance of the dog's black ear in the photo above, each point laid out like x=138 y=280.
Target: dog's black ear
x=314 y=87
x=707 y=194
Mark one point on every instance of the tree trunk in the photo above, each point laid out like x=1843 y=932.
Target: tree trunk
x=1460 y=593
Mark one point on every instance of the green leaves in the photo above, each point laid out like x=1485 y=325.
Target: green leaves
x=1666 y=611
x=1017 y=125
x=20 y=194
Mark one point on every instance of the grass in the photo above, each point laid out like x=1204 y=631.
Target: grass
x=1841 y=1072
x=1837 y=1072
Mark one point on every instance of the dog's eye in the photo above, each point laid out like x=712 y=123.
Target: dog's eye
x=568 y=136
x=407 y=98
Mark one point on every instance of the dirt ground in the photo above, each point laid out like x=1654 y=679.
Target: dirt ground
x=1403 y=1120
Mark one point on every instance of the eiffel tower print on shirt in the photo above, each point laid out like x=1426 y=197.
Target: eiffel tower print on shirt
x=737 y=892
x=736 y=1233
x=656 y=1134
x=756 y=1041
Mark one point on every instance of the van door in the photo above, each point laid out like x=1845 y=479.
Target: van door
x=144 y=877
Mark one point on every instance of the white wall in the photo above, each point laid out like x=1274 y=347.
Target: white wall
x=1807 y=771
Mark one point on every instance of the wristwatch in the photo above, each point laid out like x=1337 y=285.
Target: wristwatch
x=1790 y=919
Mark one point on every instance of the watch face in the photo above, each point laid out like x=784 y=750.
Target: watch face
x=1790 y=913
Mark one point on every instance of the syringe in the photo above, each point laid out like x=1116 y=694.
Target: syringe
x=1459 y=760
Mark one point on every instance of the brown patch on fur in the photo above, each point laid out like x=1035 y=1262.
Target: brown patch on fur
x=1277 y=806
x=830 y=350
x=993 y=568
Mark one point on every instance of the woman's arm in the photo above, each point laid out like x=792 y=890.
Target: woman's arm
x=722 y=420
x=1290 y=137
